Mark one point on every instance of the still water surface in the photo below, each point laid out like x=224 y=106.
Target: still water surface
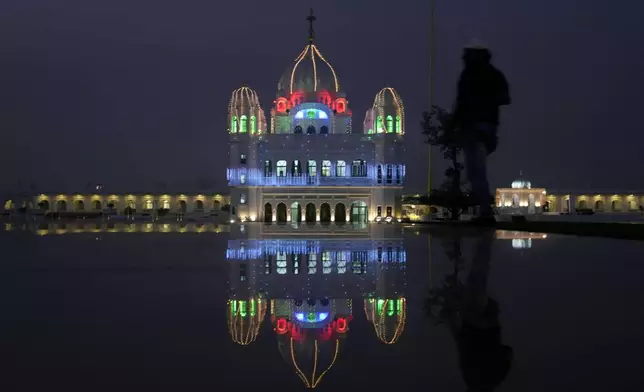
x=183 y=308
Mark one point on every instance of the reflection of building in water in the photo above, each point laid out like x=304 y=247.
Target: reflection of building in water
x=100 y=226
x=520 y=239
x=310 y=286
x=309 y=334
x=388 y=316
x=244 y=318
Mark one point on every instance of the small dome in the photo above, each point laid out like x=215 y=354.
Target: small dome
x=521 y=184
x=244 y=319
x=388 y=112
x=245 y=113
x=388 y=317
x=310 y=72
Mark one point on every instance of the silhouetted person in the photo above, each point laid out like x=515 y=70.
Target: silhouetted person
x=482 y=89
x=484 y=360
x=472 y=316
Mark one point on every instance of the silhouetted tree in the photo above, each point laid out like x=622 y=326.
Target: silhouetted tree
x=437 y=127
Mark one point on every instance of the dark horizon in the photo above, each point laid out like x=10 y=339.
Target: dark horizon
x=129 y=93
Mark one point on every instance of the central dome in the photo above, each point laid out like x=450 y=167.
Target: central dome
x=310 y=72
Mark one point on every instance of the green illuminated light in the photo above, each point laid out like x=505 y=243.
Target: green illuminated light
x=244 y=121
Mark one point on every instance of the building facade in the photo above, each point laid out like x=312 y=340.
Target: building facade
x=194 y=204
x=522 y=198
x=310 y=164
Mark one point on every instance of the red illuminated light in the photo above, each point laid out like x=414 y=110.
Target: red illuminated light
x=340 y=105
x=282 y=326
x=341 y=325
x=281 y=105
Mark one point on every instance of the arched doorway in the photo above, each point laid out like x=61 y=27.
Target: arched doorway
x=43 y=205
x=96 y=205
x=268 y=213
x=325 y=213
x=199 y=205
x=183 y=207
x=296 y=212
x=599 y=205
x=583 y=204
x=340 y=215
x=310 y=213
x=358 y=212
x=61 y=206
x=632 y=205
x=614 y=205
x=281 y=213
x=515 y=200
x=79 y=206
x=216 y=205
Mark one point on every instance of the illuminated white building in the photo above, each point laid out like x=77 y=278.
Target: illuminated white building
x=521 y=198
x=310 y=164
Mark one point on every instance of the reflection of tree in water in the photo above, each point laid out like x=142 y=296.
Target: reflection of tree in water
x=472 y=316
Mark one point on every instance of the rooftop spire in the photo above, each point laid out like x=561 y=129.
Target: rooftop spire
x=311 y=19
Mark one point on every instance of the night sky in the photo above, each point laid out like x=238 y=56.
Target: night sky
x=131 y=92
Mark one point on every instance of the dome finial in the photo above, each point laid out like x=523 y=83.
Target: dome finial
x=311 y=18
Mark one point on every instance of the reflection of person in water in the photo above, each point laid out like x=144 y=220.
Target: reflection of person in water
x=484 y=360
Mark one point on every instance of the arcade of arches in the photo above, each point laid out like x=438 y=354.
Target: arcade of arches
x=309 y=212
x=120 y=204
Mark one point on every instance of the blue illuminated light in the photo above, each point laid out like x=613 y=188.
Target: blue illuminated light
x=317 y=113
x=318 y=317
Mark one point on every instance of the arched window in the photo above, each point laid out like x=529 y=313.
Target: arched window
x=268 y=169
x=379 y=174
x=341 y=169
x=233 y=125
x=281 y=168
x=398 y=125
x=312 y=168
x=326 y=169
x=324 y=130
x=379 y=125
x=390 y=124
x=165 y=203
x=359 y=168
x=310 y=130
x=242 y=128
x=298 y=129
x=389 y=174
x=253 y=124
x=296 y=168
x=148 y=204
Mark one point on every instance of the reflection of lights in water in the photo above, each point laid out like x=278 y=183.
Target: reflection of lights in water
x=311 y=317
x=522 y=243
x=388 y=316
x=315 y=379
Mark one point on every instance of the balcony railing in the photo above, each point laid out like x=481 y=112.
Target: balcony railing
x=255 y=177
